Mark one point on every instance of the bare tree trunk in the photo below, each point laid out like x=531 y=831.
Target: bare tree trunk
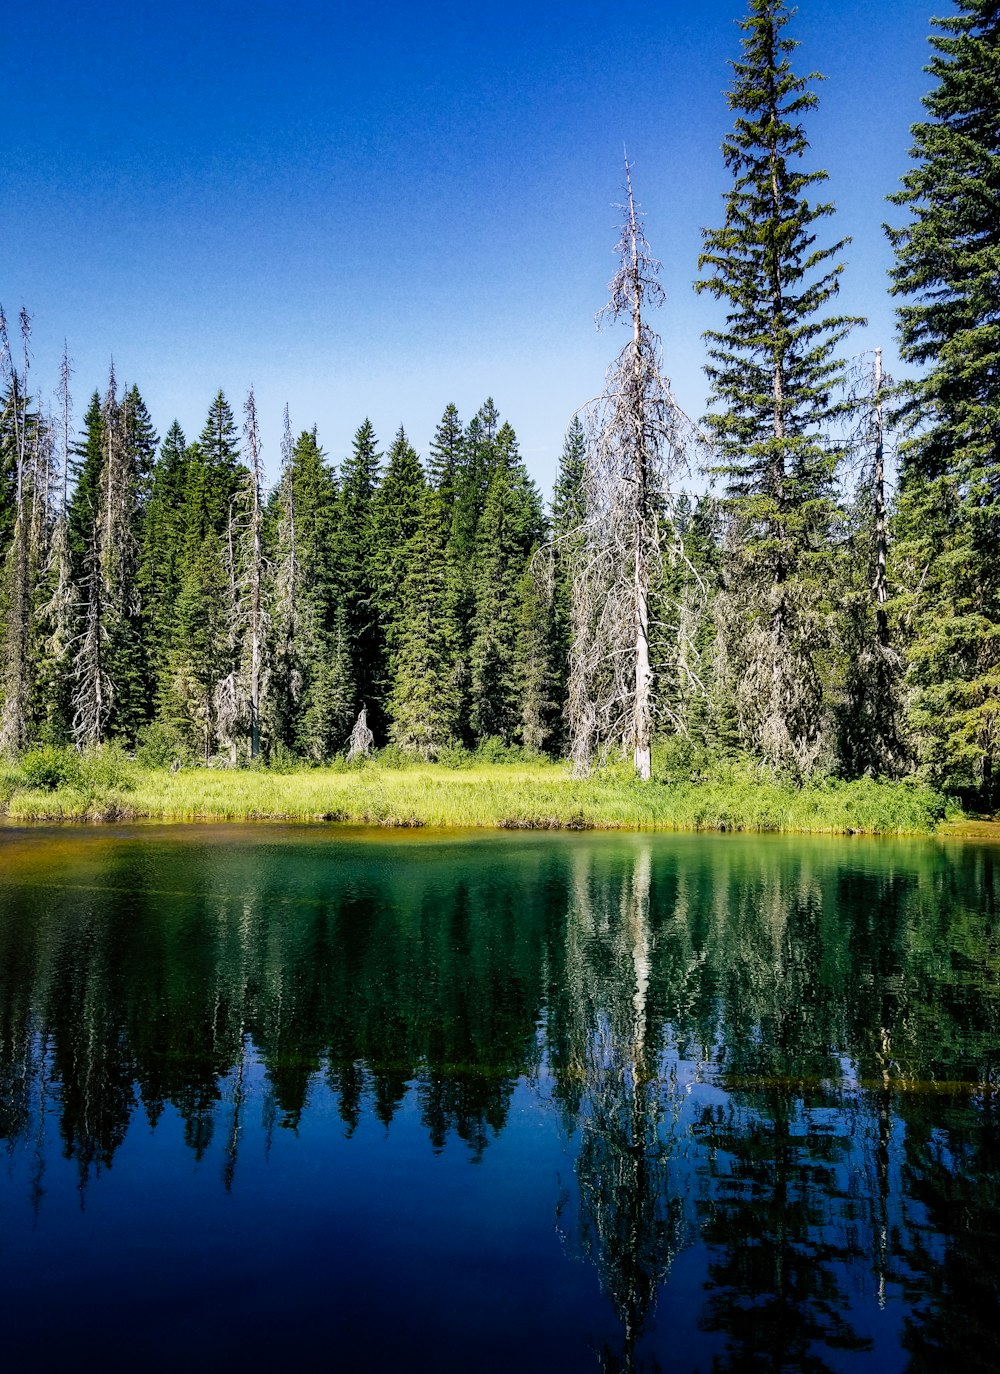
x=880 y=588
x=642 y=708
x=637 y=438
x=255 y=572
x=15 y=669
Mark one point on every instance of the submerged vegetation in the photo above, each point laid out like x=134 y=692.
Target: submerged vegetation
x=467 y=789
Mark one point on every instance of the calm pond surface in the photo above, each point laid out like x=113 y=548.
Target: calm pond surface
x=325 y=1099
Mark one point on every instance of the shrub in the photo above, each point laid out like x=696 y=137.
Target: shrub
x=49 y=767
x=159 y=746
x=107 y=768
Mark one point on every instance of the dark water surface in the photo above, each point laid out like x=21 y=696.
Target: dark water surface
x=326 y=1100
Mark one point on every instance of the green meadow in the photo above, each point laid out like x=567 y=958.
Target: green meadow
x=52 y=784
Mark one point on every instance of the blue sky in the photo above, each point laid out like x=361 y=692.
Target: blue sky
x=374 y=210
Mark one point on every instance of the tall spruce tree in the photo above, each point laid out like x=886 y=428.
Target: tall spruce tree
x=775 y=379
x=426 y=700
x=323 y=659
x=161 y=566
x=357 y=539
x=948 y=524
x=396 y=511
x=197 y=659
x=510 y=528
x=568 y=516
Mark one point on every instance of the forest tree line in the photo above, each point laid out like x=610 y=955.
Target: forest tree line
x=805 y=610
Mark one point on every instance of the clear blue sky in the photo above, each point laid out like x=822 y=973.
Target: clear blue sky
x=376 y=209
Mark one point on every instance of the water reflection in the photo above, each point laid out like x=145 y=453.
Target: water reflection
x=775 y=1062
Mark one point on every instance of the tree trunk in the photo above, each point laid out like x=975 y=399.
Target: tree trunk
x=881 y=523
x=642 y=712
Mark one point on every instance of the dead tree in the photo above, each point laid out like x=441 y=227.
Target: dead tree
x=287 y=676
x=17 y=578
x=57 y=614
x=237 y=697
x=636 y=442
x=872 y=737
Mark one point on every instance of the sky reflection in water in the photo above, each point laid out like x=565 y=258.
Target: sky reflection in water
x=534 y=1102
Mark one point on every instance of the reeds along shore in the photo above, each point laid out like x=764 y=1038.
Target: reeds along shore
x=528 y=794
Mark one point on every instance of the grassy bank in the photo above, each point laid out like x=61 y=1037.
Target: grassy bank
x=57 y=785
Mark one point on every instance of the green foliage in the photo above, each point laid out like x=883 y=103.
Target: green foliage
x=510 y=529
x=159 y=746
x=500 y=786
x=50 y=767
x=774 y=376
x=426 y=701
x=948 y=527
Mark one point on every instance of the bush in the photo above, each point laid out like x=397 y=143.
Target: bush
x=50 y=767
x=281 y=759
x=107 y=769
x=455 y=756
x=159 y=746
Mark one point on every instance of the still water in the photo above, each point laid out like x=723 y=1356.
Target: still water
x=334 y=1100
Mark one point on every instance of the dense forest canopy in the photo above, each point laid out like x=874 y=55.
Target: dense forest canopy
x=802 y=610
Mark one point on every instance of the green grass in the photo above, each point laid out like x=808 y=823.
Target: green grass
x=59 y=785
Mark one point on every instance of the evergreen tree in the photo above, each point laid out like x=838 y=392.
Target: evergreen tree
x=949 y=505
x=534 y=672
x=511 y=527
x=396 y=515
x=447 y=456
x=774 y=376
x=196 y=659
x=426 y=701
x=109 y=679
x=87 y=462
x=568 y=515
x=357 y=539
x=323 y=661
x=161 y=567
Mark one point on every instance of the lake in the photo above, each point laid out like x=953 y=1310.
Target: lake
x=338 y=1099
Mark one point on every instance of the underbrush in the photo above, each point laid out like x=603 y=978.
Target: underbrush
x=508 y=789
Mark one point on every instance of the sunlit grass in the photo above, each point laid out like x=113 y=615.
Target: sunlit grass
x=528 y=795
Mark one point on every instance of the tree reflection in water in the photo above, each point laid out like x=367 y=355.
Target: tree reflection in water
x=632 y=1218
x=776 y=1060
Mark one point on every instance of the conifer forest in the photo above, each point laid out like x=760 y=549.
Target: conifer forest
x=808 y=575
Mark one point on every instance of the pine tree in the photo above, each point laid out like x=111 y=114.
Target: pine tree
x=161 y=565
x=357 y=537
x=775 y=376
x=322 y=659
x=196 y=658
x=396 y=511
x=510 y=529
x=566 y=547
x=534 y=671
x=426 y=701
x=447 y=456
x=949 y=504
